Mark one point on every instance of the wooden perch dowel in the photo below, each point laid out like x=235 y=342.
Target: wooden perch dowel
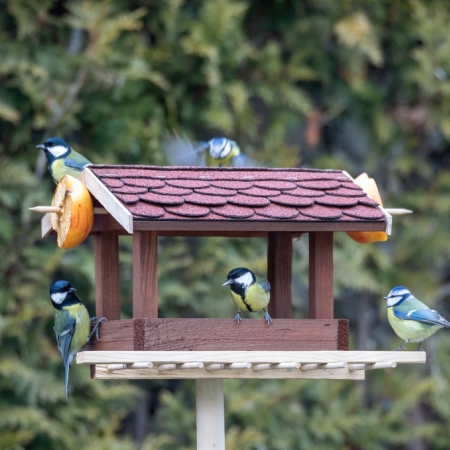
x=193 y=365
x=46 y=209
x=379 y=365
x=243 y=365
x=111 y=367
x=397 y=211
x=281 y=366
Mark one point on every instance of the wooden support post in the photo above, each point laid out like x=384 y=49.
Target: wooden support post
x=107 y=275
x=210 y=415
x=279 y=274
x=145 y=274
x=321 y=300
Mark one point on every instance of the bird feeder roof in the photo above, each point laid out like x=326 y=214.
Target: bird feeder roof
x=243 y=195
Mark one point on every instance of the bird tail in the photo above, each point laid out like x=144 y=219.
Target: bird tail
x=66 y=375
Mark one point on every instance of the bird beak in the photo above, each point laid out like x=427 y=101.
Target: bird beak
x=227 y=282
x=41 y=146
x=72 y=290
x=386 y=298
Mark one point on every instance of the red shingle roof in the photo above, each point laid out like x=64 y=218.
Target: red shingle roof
x=250 y=194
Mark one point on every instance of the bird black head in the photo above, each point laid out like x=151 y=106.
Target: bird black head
x=240 y=276
x=62 y=293
x=55 y=148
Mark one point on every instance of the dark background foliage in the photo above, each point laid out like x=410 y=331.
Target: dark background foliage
x=349 y=84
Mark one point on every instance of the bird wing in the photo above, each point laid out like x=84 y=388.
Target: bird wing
x=428 y=316
x=180 y=151
x=242 y=161
x=65 y=336
x=76 y=161
x=264 y=284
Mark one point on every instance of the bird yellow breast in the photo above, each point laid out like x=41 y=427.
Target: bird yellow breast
x=256 y=297
x=410 y=330
x=59 y=169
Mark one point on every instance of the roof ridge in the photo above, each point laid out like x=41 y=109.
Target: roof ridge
x=212 y=169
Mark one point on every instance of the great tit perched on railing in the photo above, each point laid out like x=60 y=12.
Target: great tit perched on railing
x=411 y=319
x=72 y=324
x=218 y=152
x=62 y=160
x=248 y=292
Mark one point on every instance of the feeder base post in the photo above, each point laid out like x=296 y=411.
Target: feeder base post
x=210 y=415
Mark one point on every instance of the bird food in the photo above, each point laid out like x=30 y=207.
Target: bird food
x=74 y=221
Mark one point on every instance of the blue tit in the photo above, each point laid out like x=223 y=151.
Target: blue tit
x=221 y=152
x=72 y=324
x=248 y=292
x=411 y=319
x=62 y=160
x=181 y=151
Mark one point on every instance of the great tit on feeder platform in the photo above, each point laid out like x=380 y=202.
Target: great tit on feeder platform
x=62 y=160
x=72 y=324
x=248 y=292
x=411 y=319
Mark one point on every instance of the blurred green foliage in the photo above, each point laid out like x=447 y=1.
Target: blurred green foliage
x=348 y=84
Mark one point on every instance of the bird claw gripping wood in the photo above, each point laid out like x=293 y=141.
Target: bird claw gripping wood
x=96 y=328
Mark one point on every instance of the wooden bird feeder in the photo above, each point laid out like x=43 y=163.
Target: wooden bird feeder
x=278 y=204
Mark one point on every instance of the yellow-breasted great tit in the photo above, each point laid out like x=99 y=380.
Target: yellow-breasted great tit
x=411 y=319
x=62 y=160
x=218 y=152
x=248 y=292
x=72 y=324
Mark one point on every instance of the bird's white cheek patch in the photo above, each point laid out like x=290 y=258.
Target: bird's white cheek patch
x=392 y=301
x=58 y=151
x=58 y=297
x=245 y=280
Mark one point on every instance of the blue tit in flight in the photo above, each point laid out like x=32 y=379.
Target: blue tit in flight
x=62 y=160
x=72 y=324
x=221 y=152
x=248 y=292
x=218 y=152
x=411 y=319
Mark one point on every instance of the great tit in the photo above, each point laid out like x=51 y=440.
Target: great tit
x=72 y=324
x=411 y=319
x=218 y=152
x=62 y=160
x=248 y=292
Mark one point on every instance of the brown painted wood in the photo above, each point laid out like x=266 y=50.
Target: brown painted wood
x=251 y=334
x=244 y=234
x=145 y=274
x=106 y=222
x=114 y=335
x=181 y=226
x=321 y=300
x=222 y=334
x=107 y=275
x=279 y=274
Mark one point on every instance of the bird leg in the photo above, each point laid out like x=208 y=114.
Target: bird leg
x=401 y=347
x=267 y=318
x=95 y=329
x=419 y=348
x=237 y=317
